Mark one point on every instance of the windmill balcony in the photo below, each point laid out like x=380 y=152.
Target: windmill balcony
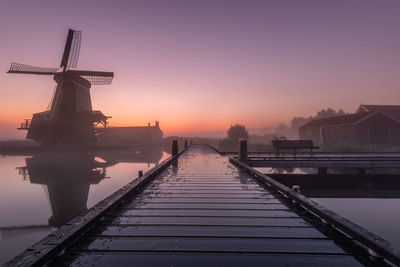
x=26 y=124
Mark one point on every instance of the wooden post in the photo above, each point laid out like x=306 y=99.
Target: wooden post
x=174 y=147
x=243 y=157
x=186 y=143
x=295 y=188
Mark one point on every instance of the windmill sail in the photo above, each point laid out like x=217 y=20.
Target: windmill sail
x=95 y=77
x=28 y=69
x=98 y=80
x=71 y=50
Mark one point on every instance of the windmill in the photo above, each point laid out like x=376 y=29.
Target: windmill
x=69 y=119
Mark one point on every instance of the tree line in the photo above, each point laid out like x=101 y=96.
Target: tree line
x=282 y=131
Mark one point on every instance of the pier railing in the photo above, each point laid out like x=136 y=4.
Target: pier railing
x=377 y=247
x=25 y=125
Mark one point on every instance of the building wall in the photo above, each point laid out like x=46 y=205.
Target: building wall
x=336 y=136
x=375 y=130
x=379 y=130
x=311 y=134
x=132 y=135
x=83 y=102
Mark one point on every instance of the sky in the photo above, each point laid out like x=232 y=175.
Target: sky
x=200 y=66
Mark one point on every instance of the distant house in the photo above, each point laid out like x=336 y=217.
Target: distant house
x=134 y=135
x=369 y=125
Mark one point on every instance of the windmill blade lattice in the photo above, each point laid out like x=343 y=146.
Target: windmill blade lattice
x=98 y=80
x=95 y=77
x=71 y=50
x=28 y=69
x=75 y=49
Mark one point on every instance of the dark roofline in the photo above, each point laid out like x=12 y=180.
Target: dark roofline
x=385 y=106
x=382 y=108
x=133 y=127
x=363 y=116
x=141 y=128
x=317 y=122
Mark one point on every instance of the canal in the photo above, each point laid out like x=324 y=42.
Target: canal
x=40 y=193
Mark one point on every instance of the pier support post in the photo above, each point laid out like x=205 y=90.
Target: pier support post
x=322 y=171
x=243 y=157
x=174 y=147
x=186 y=143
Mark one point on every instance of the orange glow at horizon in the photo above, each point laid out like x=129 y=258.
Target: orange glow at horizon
x=199 y=68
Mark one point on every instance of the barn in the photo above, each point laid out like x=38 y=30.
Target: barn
x=133 y=135
x=369 y=125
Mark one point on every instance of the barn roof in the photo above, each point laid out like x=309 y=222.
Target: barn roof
x=337 y=120
x=392 y=110
x=136 y=128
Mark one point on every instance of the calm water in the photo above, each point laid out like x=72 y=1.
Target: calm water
x=378 y=215
x=42 y=192
x=371 y=202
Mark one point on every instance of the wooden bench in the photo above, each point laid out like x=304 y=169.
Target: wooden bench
x=293 y=145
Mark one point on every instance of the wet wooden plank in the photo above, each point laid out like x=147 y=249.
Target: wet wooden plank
x=203 y=187
x=214 y=231
x=206 y=195
x=272 y=222
x=178 y=259
x=208 y=180
x=201 y=182
x=209 y=191
x=210 y=213
x=200 y=244
x=209 y=200
x=223 y=206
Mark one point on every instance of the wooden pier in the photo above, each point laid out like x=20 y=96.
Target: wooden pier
x=202 y=209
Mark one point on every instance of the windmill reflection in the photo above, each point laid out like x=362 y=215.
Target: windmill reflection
x=66 y=179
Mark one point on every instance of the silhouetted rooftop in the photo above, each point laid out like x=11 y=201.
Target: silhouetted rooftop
x=337 y=120
x=392 y=110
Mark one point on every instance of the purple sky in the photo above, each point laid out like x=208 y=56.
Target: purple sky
x=199 y=66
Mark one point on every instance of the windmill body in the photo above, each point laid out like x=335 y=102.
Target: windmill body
x=70 y=118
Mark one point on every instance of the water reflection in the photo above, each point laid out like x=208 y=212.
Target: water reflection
x=343 y=186
x=341 y=171
x=66 y=179
x=143 y=154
